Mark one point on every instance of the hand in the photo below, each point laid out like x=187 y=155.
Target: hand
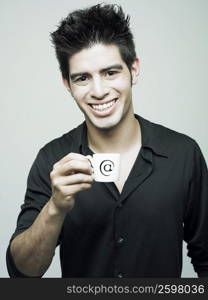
x=70 y=175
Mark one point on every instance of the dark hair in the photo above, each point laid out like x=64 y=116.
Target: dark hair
x=102 y=23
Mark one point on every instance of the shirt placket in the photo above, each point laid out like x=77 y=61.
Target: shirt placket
x=140 y=172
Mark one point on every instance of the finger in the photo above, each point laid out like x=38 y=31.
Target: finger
x=69 y=157
x=72 y=179
x=71 y=190
x=76 y=166
x=90 y=158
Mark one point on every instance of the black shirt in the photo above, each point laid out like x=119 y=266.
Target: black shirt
x=140 y=232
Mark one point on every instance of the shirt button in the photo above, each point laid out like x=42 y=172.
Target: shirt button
x=120 y=241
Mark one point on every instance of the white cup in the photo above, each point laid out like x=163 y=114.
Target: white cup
x=105 y=166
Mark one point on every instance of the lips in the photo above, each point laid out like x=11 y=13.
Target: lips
x=103 y=109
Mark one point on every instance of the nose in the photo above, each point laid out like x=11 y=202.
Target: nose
x=99 y=89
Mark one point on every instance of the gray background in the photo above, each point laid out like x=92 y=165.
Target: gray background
x=172 y=44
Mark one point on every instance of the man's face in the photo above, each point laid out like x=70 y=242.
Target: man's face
x=100 y=82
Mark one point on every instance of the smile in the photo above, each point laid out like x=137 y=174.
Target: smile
x=103 y=107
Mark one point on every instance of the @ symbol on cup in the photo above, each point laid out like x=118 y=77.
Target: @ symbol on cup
x=106 y=167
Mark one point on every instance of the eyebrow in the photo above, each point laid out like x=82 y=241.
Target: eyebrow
x=116 y=66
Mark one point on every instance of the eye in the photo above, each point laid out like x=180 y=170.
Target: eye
x=111 y=73
x=82 y=78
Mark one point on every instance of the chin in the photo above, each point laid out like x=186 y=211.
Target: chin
x=105 y=123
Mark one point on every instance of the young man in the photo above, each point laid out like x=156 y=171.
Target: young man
x=133 y=227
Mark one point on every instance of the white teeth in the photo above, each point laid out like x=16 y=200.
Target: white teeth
x=103 y=106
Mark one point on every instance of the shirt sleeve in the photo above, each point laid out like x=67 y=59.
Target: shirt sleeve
x=196 y=217
x=37 y=194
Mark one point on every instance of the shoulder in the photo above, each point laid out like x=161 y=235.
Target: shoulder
x=172 y=137
x=180 y=149
x=169 y=141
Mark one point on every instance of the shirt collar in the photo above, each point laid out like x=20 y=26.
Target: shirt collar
x=152 y=137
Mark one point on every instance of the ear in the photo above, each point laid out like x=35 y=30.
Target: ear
x=66 y=84
x=135 y=70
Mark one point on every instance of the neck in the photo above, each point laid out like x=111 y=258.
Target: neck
x=120 y=138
